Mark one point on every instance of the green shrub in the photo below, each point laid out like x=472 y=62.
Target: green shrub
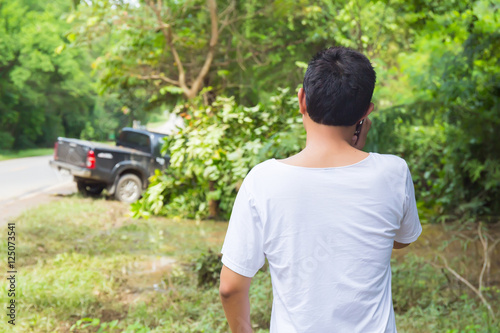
x=445 y=122
x=6 y=140
x=415 y=283
x=213 y=153
x=208 y=267
x=440 y=111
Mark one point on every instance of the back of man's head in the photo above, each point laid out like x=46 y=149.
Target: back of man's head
x=339 y=85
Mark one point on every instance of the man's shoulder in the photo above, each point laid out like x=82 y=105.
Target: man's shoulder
x=263 y=165
x=260 y=169
x=390 y=161
x=259 y=174
x=380 y=164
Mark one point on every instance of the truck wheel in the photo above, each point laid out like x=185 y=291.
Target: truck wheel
x=128 y=188
x=89 y=189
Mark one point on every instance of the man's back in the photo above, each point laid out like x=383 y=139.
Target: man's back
x=326 y=218
x=328 y=235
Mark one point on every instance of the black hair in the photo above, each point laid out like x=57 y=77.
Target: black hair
x=339 y=85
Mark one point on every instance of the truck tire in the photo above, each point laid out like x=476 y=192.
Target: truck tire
x=128 y=188
x=89 y=189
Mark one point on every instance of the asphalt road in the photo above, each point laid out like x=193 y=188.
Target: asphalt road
x=26 y=182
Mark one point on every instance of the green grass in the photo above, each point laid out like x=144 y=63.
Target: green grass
x=85 y=264
x=10 y=154
x=82 y=258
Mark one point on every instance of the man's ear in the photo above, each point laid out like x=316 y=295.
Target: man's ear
x=302 y=101
x=370 y=109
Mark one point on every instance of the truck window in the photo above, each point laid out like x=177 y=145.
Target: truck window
x=135 y=140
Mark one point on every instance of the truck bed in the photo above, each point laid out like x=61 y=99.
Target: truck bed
x=72 y=153
x=123 y=169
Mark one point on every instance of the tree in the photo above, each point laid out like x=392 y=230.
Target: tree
x=434 y=61
x=189 y=90
x=40 y=76
x=445 y=110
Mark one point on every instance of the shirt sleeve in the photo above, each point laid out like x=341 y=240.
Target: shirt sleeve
x=243 y=246
x=410 y=227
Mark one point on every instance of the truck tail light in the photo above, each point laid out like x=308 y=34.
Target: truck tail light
x=56 y=145
x=90 y=159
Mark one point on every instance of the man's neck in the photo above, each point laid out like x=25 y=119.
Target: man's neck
x=328 y=147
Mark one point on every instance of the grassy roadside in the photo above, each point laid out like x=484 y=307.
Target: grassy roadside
x=82 y=258
x=84 y=261
x=10 y=154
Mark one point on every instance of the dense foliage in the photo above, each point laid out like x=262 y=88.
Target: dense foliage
x=213 y=153
x=46 y=84
x=445 y=121
x=437 y=106
x=87 y=68
x=38 y=82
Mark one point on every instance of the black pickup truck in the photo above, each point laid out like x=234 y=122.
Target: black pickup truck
x=123 y=170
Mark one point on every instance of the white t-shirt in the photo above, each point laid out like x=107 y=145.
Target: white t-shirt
x=328 y=235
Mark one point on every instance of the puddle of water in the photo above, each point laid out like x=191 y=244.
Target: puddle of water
x=148 y=274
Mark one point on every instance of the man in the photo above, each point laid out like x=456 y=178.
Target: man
x=327 y=218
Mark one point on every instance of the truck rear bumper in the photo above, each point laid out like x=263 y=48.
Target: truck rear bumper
x=73 y=169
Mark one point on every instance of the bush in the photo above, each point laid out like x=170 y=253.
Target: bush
x=445 y=124
x=208 y=267
x=441 y=115
x=214 y=152
x=6 y=140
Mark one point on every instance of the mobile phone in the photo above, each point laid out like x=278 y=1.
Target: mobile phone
x=358 y=129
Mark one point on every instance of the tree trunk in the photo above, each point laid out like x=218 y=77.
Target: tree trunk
x=213 y=205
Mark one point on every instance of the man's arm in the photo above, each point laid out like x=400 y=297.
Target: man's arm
x=233 y=291
x=398 y=245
